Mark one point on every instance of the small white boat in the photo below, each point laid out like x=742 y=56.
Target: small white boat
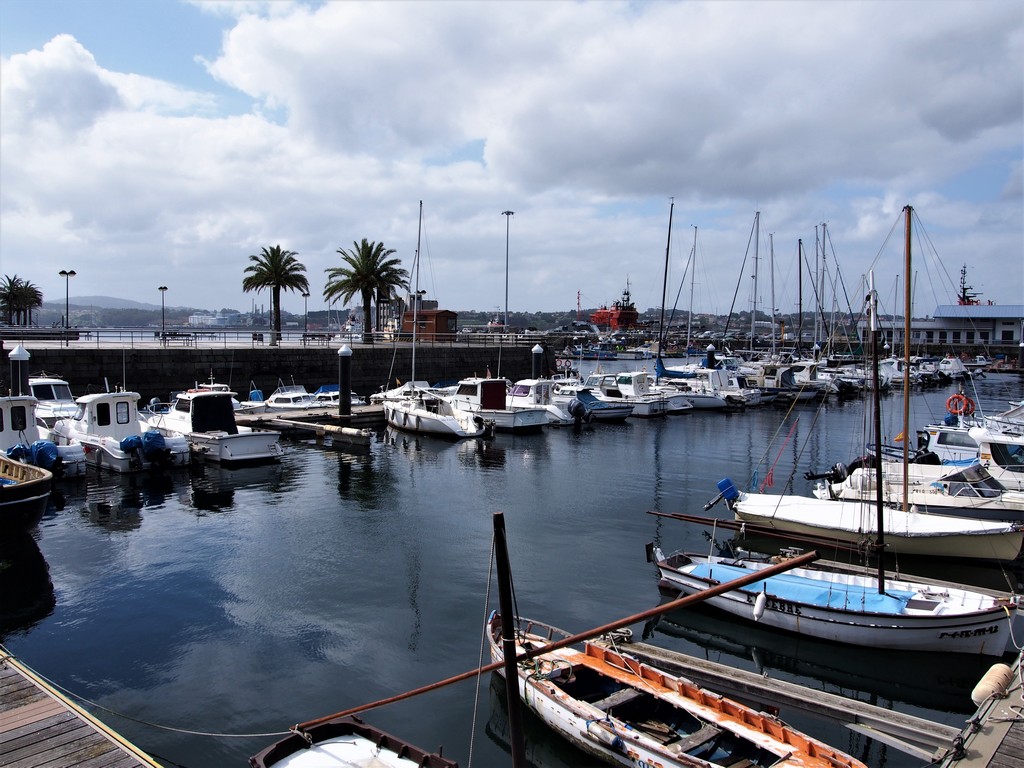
x=24 y=437
x=329 y=396
x=346 y=742
x=538 y=393
x=855 y=523
x=108 y=426
x=628 y=713
x=425 y=412
x=843 y=604
x=54 y=397
x=287 y=397
x=575 y=396
x=206 y=419
x=486 y=398
x=604 y=386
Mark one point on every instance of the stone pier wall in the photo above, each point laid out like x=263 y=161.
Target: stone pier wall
x=160 y=371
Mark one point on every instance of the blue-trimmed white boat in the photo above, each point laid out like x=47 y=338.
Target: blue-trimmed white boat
x=843 y=604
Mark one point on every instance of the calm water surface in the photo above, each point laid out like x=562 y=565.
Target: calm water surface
x=241 y=602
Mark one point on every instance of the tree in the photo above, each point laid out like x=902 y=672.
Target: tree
x=17 y=300
x=368 y=271
x=275 y=269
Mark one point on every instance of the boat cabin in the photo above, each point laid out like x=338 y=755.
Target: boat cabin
x=209 y=411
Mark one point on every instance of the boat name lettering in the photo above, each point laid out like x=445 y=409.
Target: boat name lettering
x=971 y=632
x=772 y=604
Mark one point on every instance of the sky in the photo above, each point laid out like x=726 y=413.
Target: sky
x=161 y=143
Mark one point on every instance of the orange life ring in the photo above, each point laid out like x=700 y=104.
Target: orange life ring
x=960 y=405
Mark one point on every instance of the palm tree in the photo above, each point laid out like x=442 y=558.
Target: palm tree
x=275 y=269
x=368 y=270
x=17 y=300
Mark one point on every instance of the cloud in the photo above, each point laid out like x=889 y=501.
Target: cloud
x=584 y=118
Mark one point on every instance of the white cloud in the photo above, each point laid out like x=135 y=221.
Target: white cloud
x=584 y=118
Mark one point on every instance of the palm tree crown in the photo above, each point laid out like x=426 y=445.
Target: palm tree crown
x=17 y=300
x=275 y=269
x=368 y=270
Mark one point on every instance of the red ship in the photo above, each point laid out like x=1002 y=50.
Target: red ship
x=621 y=316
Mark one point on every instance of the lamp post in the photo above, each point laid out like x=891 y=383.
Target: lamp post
x=305 y=313
x=163 y=315
x=67 y=274
x=508 y=217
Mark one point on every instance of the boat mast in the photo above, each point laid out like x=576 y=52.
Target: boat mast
x=662 y=335
x=517 y=743
x=799 y=293
x=771 y=261
x=877 y=408
x=693 y=273
x=906 y=359
x=753 y=297
x=416 y=295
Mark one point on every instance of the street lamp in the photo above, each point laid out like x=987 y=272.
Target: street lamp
x=305 y=313
x=163 y=315
x=508 y=216
x=67 y=274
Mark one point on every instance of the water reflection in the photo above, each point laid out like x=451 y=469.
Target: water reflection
x=26 y=592
x=213 y=487
x=115 y=501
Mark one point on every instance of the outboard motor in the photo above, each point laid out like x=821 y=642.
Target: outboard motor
x=132 y=445
x=579 y=411
x=836 y=474
x=155 y=449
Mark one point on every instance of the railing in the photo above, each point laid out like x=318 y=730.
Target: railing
x=142 y=338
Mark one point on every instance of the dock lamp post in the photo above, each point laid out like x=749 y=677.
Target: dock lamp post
x=67 y=274
x=345 y=381
x=508 y=217
x=305 y=313
x=163 y=315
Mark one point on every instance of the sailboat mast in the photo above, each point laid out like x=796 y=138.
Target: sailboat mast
x=877 y=408
x=771 y=253
x=799 y=293
x=906 y=359
x=416 y=295
x=662 y=334
x=753 y=297
x=693 y=273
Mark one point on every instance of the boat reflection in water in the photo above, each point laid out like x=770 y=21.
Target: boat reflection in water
x=115 y=501
x=26 y=592
x=887 y=679
x=213 y=487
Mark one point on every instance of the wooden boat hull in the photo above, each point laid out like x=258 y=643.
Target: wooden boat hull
x=844 y=607
x=627 y=713
x=24 y=492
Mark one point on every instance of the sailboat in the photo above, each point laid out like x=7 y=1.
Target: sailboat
x=415 y=408
x=871 y=525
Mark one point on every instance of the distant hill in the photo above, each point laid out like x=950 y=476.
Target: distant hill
x=101 y=302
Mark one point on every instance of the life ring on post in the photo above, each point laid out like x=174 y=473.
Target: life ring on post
x=960 y=405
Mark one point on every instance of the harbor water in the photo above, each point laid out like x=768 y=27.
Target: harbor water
x=201 y=612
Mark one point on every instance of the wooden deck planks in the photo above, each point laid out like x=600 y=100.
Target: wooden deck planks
x=40 y=728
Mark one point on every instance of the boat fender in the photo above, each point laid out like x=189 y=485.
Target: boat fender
x=993 y=684
x=760 y=602
x=604 y=732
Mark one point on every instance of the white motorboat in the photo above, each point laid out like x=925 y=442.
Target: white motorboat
x=486 y=398
x=329 y=396
x=54 y=398
x=206 y=419
x=575 y=396
x=538 y=393
x=844 y=604
x=964 y=491
x=605 y=386
x=642 y=384
x=426 y=412
x=108 y=426
x=24 y=438
x=287 y=397
x=625 y=712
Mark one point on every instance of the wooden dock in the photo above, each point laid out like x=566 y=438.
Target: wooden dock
x=994 y=736
x=39 y=726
